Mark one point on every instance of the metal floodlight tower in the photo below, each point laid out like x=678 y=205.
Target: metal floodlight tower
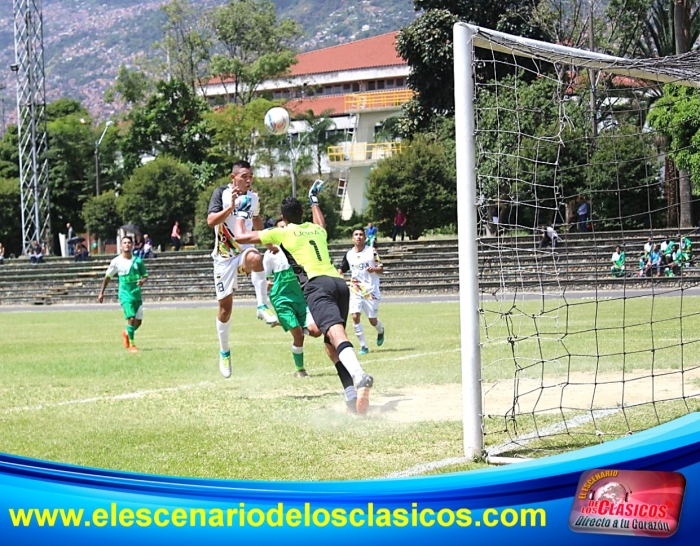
x=31 y=122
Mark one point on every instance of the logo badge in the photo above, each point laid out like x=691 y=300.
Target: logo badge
x=628 y=502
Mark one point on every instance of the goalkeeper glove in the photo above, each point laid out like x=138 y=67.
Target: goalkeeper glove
x=316 y=188
x=243 y=206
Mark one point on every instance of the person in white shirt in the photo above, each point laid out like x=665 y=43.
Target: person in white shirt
x=364 y=266
x=230 y=256
x=549 y=237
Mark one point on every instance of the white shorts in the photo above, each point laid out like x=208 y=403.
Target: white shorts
x=226 y=274
x=359 y=304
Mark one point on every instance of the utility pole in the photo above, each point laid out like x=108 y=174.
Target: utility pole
x=31 y=123
x=97 y=170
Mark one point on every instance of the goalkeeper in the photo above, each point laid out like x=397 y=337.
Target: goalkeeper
x=288 y=301
x=327 y=295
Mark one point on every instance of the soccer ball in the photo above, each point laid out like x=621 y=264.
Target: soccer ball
x=277 y=120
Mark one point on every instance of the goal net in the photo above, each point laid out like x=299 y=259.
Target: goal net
x=573 y=332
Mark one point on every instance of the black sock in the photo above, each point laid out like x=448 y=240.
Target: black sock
x=345 y=377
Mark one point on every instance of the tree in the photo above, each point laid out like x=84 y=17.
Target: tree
x=258 y=46
x=100 y=215
x=131 y=87
x=421 y=180
x=187 y=41
x=10 y=219
x=171 y=122
x=238 y=130
x=426 y=44
x=9 y=154
x=676 y=115
x=157 y=194
x=321 y=133
x=71 y=163
x=628 y=189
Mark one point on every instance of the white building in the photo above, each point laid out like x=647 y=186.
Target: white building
x=363 y=83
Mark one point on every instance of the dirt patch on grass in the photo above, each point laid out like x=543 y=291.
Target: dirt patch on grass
x=444 y=402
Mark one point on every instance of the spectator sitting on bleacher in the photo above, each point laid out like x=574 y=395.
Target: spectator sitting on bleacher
x=2 y=254
x=36 y=252
x=147 y=247
x=80 y=253
x=549 y=237
x=618 y=262
x=138 y=246
x=687 y=248
x=648 y=246
x=643 y=259
x=654 y=262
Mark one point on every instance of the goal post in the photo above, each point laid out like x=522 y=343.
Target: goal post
x=467 y=245
x=555 y=173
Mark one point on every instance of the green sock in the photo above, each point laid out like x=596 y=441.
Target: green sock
x=130 y=330
x=298 y=358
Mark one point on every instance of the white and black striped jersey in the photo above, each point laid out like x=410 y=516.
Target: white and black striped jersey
x=225 y=245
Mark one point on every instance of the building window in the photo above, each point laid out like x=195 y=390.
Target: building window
x=342 y=187
x=400 y=82
x=371 y=86
x=347 y=87
x=380 y=84
x=355 y=87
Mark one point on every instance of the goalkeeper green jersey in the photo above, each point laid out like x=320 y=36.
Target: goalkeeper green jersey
x=306 y=247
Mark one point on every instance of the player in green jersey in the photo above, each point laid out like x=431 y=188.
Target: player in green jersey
x=132 y=275
x=288 y=302
x=327 y=295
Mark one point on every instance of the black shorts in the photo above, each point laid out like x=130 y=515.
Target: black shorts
x=328 y=299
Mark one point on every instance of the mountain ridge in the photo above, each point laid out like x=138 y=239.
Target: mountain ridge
x=85 y=41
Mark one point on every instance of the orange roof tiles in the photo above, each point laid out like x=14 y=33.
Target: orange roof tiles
x=367 y=53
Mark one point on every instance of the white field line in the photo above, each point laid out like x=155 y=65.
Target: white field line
x=144 y=393
x=495 y=450
x=125 y=396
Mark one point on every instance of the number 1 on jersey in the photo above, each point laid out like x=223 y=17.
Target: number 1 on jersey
x=318 y=254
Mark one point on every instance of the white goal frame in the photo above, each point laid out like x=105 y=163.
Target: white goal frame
x=466 y=38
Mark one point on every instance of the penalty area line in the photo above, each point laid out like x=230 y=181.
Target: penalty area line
x=115 y=397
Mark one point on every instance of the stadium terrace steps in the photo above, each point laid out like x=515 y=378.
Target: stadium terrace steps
x=581 y=261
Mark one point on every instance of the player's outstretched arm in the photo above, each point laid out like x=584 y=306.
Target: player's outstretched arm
x=316 y=212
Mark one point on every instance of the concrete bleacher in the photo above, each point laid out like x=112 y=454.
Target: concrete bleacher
x=580 y=261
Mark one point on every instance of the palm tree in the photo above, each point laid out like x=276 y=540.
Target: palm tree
x=322 y=133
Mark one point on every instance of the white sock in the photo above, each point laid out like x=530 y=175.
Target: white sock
x=350 y=394
x=260 y=286
x=379 y=327
x=223 y=328
x=297 y=350
x=360 y=333
x=349 y=359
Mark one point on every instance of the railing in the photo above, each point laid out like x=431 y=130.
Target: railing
x=377 y=99
x=362 y=151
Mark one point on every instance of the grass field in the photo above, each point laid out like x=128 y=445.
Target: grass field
x=71 y=393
